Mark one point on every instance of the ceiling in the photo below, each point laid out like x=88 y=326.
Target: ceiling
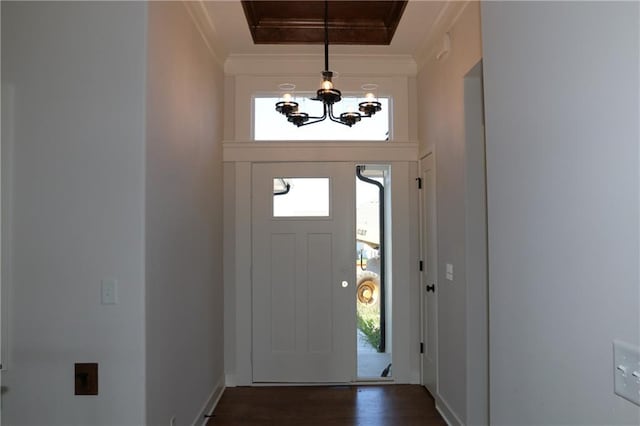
x=231 y=28
x=348 y=22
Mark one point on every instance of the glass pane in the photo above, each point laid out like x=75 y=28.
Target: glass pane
x=300 y=197
x=373 y=286
x=271 y=125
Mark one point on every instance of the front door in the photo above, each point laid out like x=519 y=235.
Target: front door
x=303 y=290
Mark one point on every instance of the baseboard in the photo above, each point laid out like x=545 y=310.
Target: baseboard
x=447 y=413
x=210 y=405
x=230 y=380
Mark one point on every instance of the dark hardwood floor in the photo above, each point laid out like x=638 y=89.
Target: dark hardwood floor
x=390 y=405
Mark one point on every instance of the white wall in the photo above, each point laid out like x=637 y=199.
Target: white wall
x=185 y=365
x=74 y=189
x=441 y=128
x=476 y=251
x=561 y=97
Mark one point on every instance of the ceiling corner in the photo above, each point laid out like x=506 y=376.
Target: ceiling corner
x=449 y=14
x=203 y=22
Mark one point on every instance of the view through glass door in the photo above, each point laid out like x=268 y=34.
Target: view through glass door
x=373 y=307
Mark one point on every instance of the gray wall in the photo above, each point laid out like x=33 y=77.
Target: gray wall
x=183 y=218
x=73 y=105
x=441 y=85
x=561 y=98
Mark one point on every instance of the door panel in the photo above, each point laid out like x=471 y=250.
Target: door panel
x=319 y=306
x=429 y=275
x=303 y=317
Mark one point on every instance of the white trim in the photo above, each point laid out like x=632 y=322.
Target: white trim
x=447 y=413
x=230 y=381
x=402 y=261
x=263 y=151
x=210 y=404
x=6 y=268
x=403 y=342
x=311 y=64
x=243 y=315
x=421 y=164
x=197 y=10
x=447 y=18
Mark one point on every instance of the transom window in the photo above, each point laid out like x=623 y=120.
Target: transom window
x=273 y=126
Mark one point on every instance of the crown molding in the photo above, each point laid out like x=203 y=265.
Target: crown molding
x=311 y=64
x=446 y=19
x=201 y=19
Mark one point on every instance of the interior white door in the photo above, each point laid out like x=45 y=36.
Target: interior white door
x=303 y=290
x=429 y=275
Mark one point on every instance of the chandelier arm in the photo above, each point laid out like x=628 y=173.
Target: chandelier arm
x=320 y=118
x=336 y=119
x=333 y=117
x=313 y=120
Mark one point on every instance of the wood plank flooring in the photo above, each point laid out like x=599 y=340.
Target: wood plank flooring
x=390 y=405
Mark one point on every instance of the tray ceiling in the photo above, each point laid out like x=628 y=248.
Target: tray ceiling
x=302 y=22
x=232 y=35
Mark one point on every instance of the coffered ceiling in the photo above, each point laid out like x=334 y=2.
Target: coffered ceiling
x=302 y=22
x=416 y=21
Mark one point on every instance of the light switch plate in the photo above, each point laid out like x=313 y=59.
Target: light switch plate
x=626 y=371
x=109 y=292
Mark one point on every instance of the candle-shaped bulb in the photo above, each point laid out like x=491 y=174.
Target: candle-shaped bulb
x=327 y=85
x=286 y=97
x=370 y=97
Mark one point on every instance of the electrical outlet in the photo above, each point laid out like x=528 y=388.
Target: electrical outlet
x=86 y=378
x=626 y=371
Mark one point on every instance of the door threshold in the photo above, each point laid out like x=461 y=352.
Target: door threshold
x=374 y=381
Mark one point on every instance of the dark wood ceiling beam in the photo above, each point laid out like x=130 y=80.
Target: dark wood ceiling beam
x=296 y=35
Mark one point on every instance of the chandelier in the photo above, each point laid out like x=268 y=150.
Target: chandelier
x=328 y=95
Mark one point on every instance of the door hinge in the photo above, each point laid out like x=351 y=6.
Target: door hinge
x=419 y=180
x=421 y=347
x=421 y=265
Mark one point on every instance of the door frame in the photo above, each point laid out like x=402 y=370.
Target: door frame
x=237 y=217
x=423 y=256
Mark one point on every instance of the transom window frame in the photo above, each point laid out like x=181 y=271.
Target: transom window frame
x=247 y=87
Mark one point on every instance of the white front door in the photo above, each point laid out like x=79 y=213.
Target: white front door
x=429 y=274
x=303 y=260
